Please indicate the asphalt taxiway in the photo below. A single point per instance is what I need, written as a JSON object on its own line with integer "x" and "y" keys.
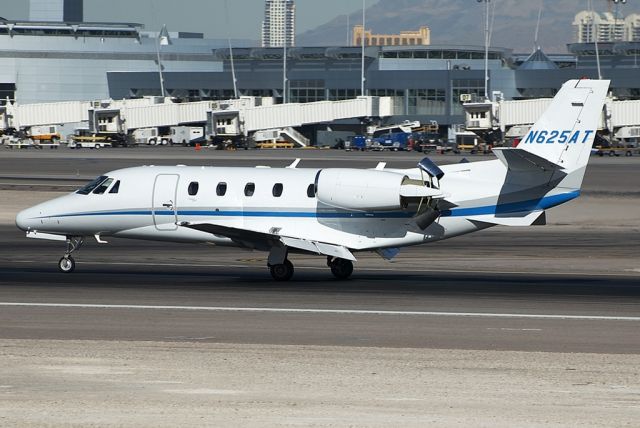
{"x": 527, "y": 327}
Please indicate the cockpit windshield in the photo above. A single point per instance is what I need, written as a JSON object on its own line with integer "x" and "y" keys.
{"x": 91, "y": 186}
{"x": 103, "y": 186}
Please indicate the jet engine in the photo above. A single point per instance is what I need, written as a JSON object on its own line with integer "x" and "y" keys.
{"x": 369, "y": 190}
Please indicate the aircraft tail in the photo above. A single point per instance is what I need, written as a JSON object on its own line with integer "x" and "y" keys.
{"x": 563, "y": 136}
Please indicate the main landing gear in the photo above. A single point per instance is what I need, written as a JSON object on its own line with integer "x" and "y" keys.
{"x": 340, "y": 268}
{"x": 282, "y": 271}
{"x": 67, "y": 264}
{"x": 281, "y": 268}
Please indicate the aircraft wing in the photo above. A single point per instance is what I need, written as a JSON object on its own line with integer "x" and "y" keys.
{"x": 267, "y": 240}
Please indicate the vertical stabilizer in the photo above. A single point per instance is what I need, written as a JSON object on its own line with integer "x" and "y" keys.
{"x": 564, "y": 134}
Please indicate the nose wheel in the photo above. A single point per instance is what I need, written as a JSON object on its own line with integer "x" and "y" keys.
{"x": 67, "y": 264}
{"x": 340, "y": 268}
{"x": 282, "y": 271}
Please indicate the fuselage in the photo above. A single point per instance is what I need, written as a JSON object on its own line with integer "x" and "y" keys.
{"x": 151, "y": 202}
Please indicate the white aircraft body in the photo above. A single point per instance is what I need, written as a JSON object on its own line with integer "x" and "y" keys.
{"x": 334, "y": 212}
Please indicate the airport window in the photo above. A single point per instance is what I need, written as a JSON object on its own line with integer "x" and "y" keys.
{"x": 307, "y": 91}
{"x": 91, "y": 186}
{"x": 115, "y": 188}
{"x": 221, "y": 189}
{"x": 193, "y": 188}
{"x": 249, "y": 189}
{"x": 277, "y": 190}
{"x": 427, "y": 101}
{"x": 311, "y": 191}
{"x": 102, "y": 187}
{"x": 464, "y": 86}
{"x": 342, "y": 94}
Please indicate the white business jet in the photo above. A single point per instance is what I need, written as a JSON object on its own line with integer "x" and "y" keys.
{"x": 334, "y": 212}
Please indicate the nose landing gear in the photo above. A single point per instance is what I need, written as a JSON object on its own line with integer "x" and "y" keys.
{"x": 67, "y": 264}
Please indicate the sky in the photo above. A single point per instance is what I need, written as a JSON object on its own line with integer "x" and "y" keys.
{"x": 202, "y": 16}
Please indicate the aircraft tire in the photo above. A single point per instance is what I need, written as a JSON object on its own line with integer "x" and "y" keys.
{"x": 282, "y": 272}
{"x": 341, "y": 268}
{"x": 66, "y": 264}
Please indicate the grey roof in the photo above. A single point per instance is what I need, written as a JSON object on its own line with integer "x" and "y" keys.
{"x": 538, "y": 61}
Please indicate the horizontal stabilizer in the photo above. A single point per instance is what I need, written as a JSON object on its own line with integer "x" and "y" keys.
{"x": 520, "y": 160}
{"x": 514, "y": 219}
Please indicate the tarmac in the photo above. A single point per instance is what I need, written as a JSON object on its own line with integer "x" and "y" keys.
{"x": 506, "y": 327}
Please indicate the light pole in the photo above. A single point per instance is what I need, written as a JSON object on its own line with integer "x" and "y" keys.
{"x": 162, "y": 40}
{"x": 284, "y": 54}
{"x": 486, "y": 47}
{"x": 362, "y": 42}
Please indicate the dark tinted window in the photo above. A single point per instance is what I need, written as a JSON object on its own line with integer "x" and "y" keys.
{"x": 221, "y": 189}
{"x": 277, "y": 190}
{"x": 193, "y": 188}
{"x": 249, "y": 189}
{"x": 103, "y": 186}
{"x": 89, "y": 187}
{"x": 115, "y": 188}
{"x": 311, "y": 191}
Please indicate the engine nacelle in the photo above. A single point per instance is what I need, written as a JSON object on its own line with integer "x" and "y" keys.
{"x": 359, "y": 190}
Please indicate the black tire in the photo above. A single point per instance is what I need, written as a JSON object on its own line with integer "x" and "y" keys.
{"x": 184, "y": 143}
{"x": 152, "y": 142}
{"x": 282, "y": 272}
{"x": 612, "y": 153}
{"x": 341, "y": 268}
{"x": 66, "y": 264}
{"x": 628, "y": 153}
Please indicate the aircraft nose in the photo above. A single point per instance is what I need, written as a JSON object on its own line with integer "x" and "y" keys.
{"x": 24, "y": 219}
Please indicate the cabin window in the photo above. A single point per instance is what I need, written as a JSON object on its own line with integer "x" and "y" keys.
{"x": 277, "y": 190}
{"x": 103, "y": 186}
{"x": 311, "y": 191}
{"x": 193, "y": 188}
{"x": 249, "y": 189}
{"x": 221, "y": 189}
{"x": 91, "y": 186}
{"x": 115, "y": 188}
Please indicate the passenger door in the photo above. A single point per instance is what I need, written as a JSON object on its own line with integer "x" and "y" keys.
{"x": 165, "y": 212}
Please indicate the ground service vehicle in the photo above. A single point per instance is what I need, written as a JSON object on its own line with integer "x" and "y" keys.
{"x": 187, "y": 135}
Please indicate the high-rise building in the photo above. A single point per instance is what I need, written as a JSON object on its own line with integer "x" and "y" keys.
{"x": 279, "y": 25}
{"x": 421, "y": 37}
{"x": 56, "y": 10}
{"x": 590, "y": 27}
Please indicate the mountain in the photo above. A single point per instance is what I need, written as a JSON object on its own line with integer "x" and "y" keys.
{"x": 461, "y": 22}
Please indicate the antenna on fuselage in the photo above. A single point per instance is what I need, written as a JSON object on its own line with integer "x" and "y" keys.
{"x": 294, "y": 164}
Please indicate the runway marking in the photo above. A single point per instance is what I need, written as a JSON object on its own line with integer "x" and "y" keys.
{"x": 398, "y": 269}
{"x": 319, "y": 311}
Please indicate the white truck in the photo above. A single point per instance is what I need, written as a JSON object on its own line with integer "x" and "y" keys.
{"x": 151, "y": 136}
{"x": 187, "y": 135}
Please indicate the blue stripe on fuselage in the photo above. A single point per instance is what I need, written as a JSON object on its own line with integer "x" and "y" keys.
{"x": 511, "y": 207}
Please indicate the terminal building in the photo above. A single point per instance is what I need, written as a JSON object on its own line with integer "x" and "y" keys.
{"x": 67, "y": 59}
